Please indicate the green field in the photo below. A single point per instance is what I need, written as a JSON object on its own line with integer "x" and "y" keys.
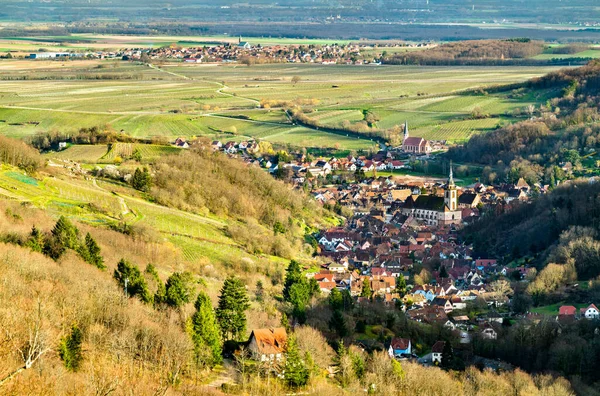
{"x": 221, "y": 101}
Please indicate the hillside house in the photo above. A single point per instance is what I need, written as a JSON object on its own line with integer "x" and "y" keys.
{"x": 399, "y": 347}
{"x": 267, "y": 344}
{"x": 436, "y": 352}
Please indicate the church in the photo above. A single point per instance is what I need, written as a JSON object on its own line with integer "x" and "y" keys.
{"x": 434, "y": 210}
{"x": 415, "y": 145}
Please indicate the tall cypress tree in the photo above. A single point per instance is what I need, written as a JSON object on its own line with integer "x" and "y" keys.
{"x": 233, "y": 302}
{"x": 205, "y": 332}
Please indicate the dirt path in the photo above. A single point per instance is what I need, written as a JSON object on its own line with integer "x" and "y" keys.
{"x": 225, "y": 375}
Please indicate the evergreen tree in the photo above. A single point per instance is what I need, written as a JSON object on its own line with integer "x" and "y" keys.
{"x": 70, "y": 349}
{"x": 336, "y": 300}
{"x": 366, "y": 289}
{"x": 36, "y": 240}
{"x": 313, "y": 287}
{"x": 66, "y": 233}
{"x": 178, "y": 289}
{"x": 299, "y": 297}
{"x": 347, "y": 300}
{"x": 338, "y": 324}
{"x": 161, "y": 291}
{"x": 233, "y": 302}
{"x": 92, "y": 252}
{"x": 447, "y": 355}
{"x": 141, "y": 180}
{"x": 130, "y": 278}
{"x": 295, "y": 371}
{"x": 293, "y": 275}
{"x": 206, "y": 333}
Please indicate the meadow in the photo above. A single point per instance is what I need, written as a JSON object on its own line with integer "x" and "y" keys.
{"x": 223, "y": 101}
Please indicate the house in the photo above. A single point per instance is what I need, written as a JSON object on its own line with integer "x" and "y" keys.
{"x": 488, "y": 332}
{"x": 244, "y": 45}
{"x": 399, "y": 347}
{"x": 62, "y": 145}
{"x": 181, "y": 142}
{"x": 567, "y": 310}
{"x": 444, "y": 303}
{"x": 267, "y": 344}
{"x": 436, "y": 352}
{"x": 591, "y": 312}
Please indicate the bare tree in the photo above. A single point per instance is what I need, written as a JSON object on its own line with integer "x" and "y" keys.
{"x": 296, "y": 79}
{"x": 33, "y": 348}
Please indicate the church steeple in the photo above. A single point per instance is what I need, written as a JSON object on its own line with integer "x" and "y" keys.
{"x": 405, "y": 130}
{"x": 450, "y": 196}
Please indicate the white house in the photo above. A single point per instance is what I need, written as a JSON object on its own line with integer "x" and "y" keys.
{"x": 591, "y": 312}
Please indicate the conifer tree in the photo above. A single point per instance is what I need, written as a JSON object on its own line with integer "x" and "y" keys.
{"x": 401, "y": 285}
{"x": 36, "y": 240}
{"x": 205, "y": 332}
{"x": 70, "y": 349}
{"x": 178, "y": 289}
{"x": 130, "y": 278}
{"x": 293, "y": 275}
{"x": 295, "y": 372}
{"x": 233, "y": 302}
{"x": 66, "y": 233}
{"x": 338, "y": 324}
{"x": 93, "y": 252}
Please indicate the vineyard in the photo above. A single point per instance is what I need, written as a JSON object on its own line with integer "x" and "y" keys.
{"x": 223, "y": 100}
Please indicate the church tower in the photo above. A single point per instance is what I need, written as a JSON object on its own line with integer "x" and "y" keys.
{"x": 450, "y": 195}
{"x": 405, "y": 131}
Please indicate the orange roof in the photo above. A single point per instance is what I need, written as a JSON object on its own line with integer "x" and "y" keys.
{"x": 269, "y": 340}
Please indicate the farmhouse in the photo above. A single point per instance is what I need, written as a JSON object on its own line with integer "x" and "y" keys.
{"x": 436, "y": 352}
{"x": 267, "y": 344}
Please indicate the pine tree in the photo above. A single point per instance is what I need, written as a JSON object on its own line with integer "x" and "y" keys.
{"x": 295, "y": 371}
{"x": 36, "y": 240}
{"x": 92, "y": 252}
{"x": 338, "y": 324}
{"x": 336, "y": 300}
{"x": 447, "y": 355}
{"x": 260, "y": 291}
{"x": 130, "y": 278}
{"x": 233, "y": 302}
{"x": 161, "y": 291}
{"x": 293, "y": 275}
{"x": 66, "y": 233}
{"x": 141, "y": 180}
{"x": 178, "y": 289}
{"x": 366, "y": 289}
{"x": 299, "y": 297}
{"x": 70, "y": 349}
{"x": 206, "y": 333}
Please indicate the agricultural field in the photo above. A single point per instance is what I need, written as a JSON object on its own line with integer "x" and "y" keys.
{"x": 223, "y": 101}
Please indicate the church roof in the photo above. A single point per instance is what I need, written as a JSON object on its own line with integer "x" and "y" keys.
{"x": 414, "y": 141}
{"x": 425, "y": 202}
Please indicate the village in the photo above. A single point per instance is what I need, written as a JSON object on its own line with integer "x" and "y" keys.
{"x": 243, "y": 52}
{"x": 400, "y": 246}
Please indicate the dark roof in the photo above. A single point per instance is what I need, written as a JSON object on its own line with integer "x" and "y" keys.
{"x": 467, "y": 198}
{"x": 438, "y": 347}
{"x": 425, "y": 202}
